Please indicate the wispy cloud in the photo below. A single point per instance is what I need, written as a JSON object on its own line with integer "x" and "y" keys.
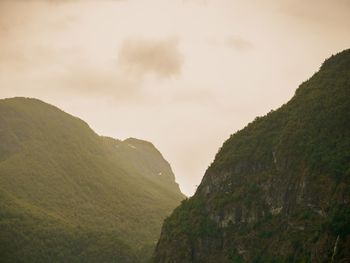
{"x": 239, "y": 43}
{"x": 322, "y": 13}
{"x": 90, "y": 80}
{"x": 161, "y": 58}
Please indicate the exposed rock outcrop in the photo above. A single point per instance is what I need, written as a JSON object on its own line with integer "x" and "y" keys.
{"x": 278, "y": 190}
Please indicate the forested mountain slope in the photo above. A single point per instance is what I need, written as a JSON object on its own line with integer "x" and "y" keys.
{"x": 69, "y": 195}
{"x": 279, "y": 189}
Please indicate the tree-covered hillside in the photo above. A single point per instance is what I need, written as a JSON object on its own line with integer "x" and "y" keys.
{"x": 279, "y": 189}
{"x": 69, "y": 195}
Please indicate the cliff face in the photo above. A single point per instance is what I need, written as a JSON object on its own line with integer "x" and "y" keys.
{"x": 278, "y": 190}
{"x": 69, "y": 195}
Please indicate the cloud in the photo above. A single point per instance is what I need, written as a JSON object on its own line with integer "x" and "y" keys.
{"x": 23, "y": 28}
{"x": 238, "y": 43}
{"x": 329, "y": 13}
{"x": 91, "y": 80}
{"x": 136, "y": 59}
{"x": 161, "y": 58}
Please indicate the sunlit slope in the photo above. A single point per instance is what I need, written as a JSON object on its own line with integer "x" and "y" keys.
{"x": 67, "y": 191}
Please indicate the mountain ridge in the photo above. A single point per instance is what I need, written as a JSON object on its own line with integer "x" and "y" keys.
{"x": 69, "y": 194}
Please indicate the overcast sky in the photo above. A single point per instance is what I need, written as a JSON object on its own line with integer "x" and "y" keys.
{"x": 183, "y": 74}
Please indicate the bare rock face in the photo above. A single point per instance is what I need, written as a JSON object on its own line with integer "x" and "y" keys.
{"x": 278, "y": 190}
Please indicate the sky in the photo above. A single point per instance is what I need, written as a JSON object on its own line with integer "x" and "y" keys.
{"x": 183, "y": 74}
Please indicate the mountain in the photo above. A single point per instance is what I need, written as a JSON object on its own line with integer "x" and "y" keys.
{"x": 69, "y": 195}
{"x": 279, "y": 189}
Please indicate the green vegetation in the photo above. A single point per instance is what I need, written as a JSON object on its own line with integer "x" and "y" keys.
{"x": 279, "y": 189}
{"x": 69, "y": 195}
{"x": 180, "y": 222}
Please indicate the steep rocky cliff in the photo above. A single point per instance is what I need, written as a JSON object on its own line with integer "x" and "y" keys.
{"x": 278, "y": 190}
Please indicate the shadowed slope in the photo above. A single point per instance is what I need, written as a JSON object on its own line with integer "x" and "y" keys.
{"x": 278, "y": 190}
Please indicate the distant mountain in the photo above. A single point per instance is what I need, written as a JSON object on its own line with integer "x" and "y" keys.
{"x": 278, "y": 190}
{"x": 69, "y": 195}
